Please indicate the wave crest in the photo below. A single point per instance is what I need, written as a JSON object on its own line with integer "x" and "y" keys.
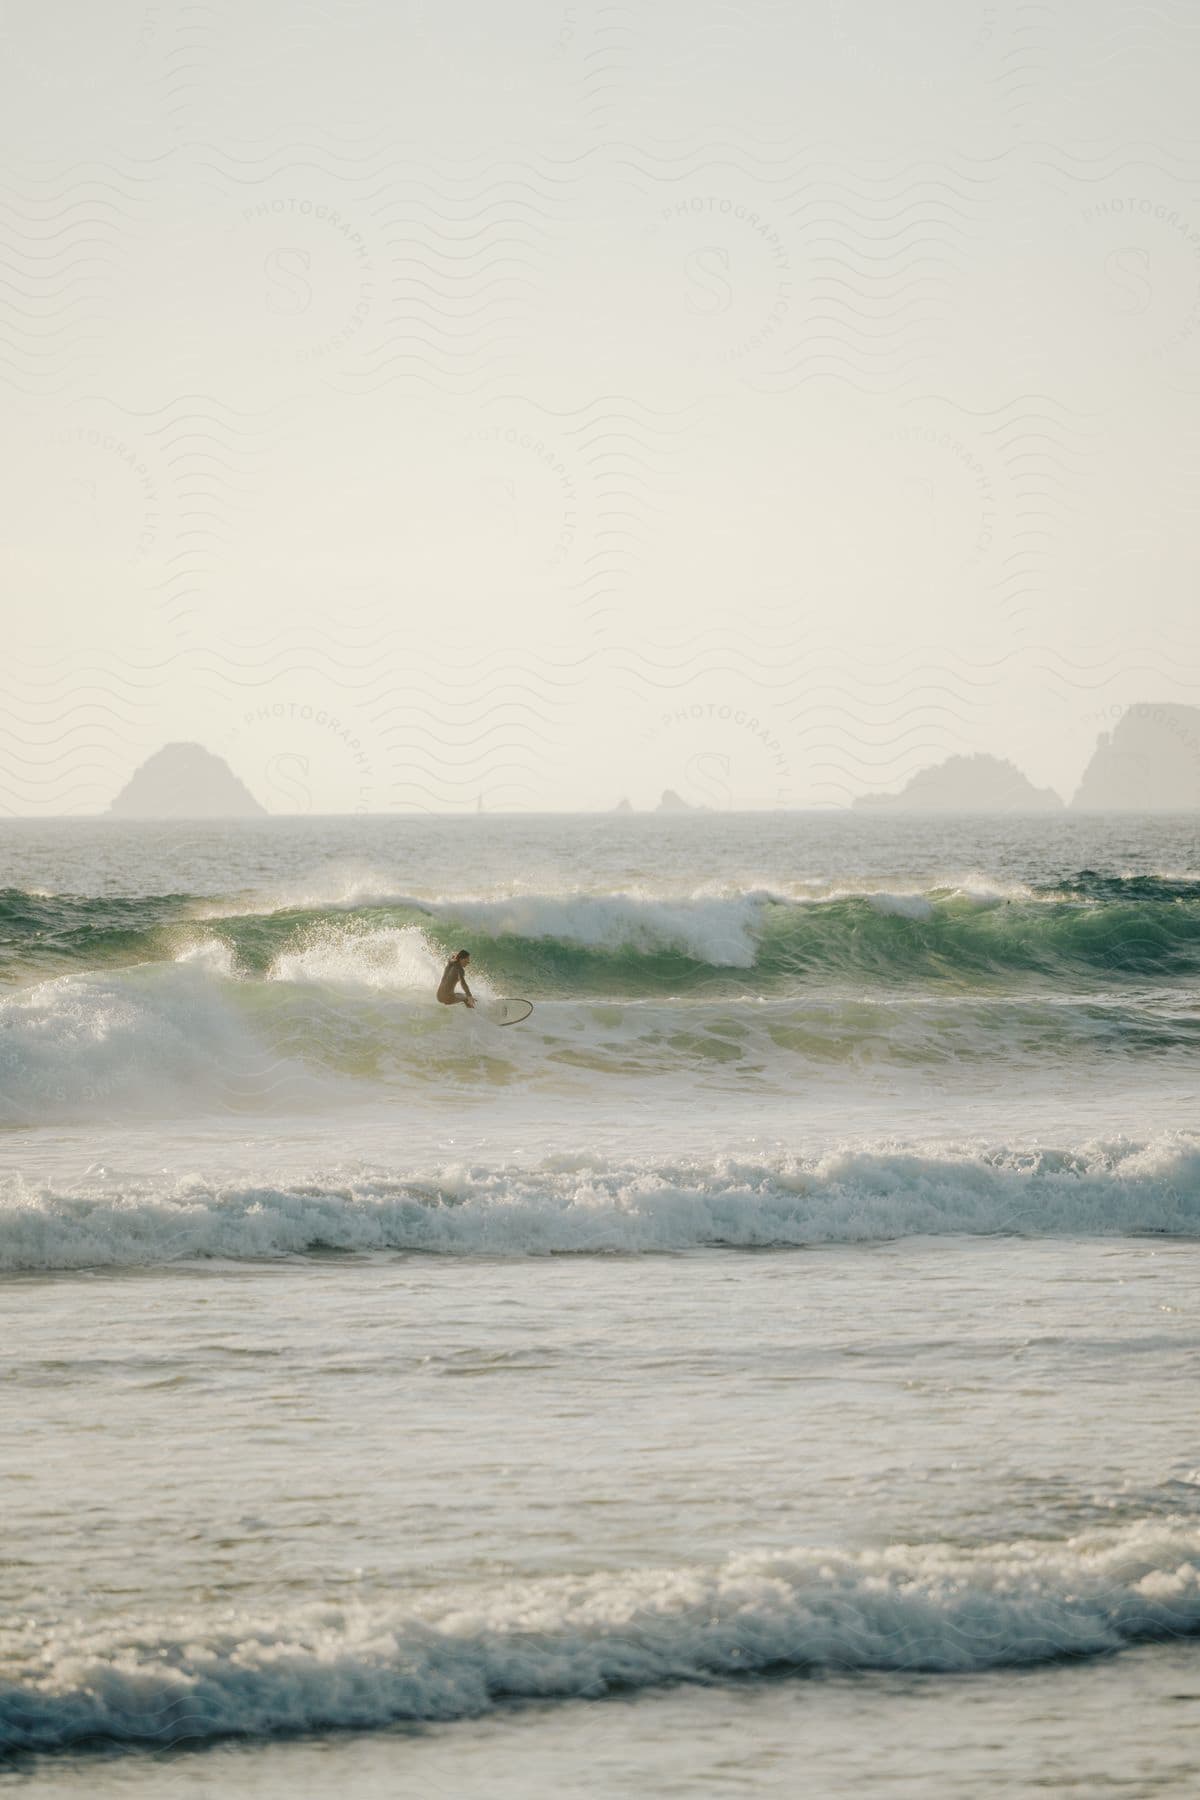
{"x": 595, "y": 1206}
{"x": 641, "y": 945}
{"x": 931, "y": 1607}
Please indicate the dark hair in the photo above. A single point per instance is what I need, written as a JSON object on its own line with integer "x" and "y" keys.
{"x": 459, "y": 954}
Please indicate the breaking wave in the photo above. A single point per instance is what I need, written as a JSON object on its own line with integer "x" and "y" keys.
{"x": 933, "y": 1607}
{"x": 143, "y": 1008}
{"x": 640, "y": 946}
{"x": 597, "y": 1205}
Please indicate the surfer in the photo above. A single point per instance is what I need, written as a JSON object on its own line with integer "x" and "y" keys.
{"x": 454, "y": 974}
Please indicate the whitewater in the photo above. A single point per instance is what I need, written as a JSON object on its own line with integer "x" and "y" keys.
{"x": 790, "y": 1323}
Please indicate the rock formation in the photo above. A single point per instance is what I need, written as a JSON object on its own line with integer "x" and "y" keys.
{"x": 185, "y": 781}
{"x": 966, "y": 784}
{"x": 1149, "y": 762}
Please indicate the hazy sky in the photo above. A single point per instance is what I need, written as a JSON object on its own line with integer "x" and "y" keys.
{"x": 415, "y": 402}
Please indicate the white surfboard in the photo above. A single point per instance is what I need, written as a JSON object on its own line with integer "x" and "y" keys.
{"x": 505, "y": 1012}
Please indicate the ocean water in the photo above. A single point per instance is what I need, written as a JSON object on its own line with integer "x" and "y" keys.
{"x": 770, "y": 1368}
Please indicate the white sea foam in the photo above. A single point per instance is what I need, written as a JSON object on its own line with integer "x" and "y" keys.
{"x": 708, "y": 928}
{"x": 210, "y": 955}
{"x": 933, "y": 1607}
{"x": 155, "y": 1040}
{"x": 718, "y": 928}
{"x": 600, "y": 1205}
{"x": 901, "y": 906}
{"x": 397, "y": 957}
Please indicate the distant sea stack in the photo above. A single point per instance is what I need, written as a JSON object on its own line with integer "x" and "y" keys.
{"x": 673, "y": 802}
{"x": 1149, "y": 762}
{"x": 966, "y": 784}
{"x": 624, "y": 804}
{"x": 185, "y": 781}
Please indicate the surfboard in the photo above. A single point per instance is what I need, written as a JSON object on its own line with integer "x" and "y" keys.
{"x": 505, "y": 1012}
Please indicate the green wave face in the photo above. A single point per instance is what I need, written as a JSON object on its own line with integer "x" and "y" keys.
{"x": 1087, "y": 934}
{"x": 158, "y": 1006}
{"x": 56, "y": 933}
